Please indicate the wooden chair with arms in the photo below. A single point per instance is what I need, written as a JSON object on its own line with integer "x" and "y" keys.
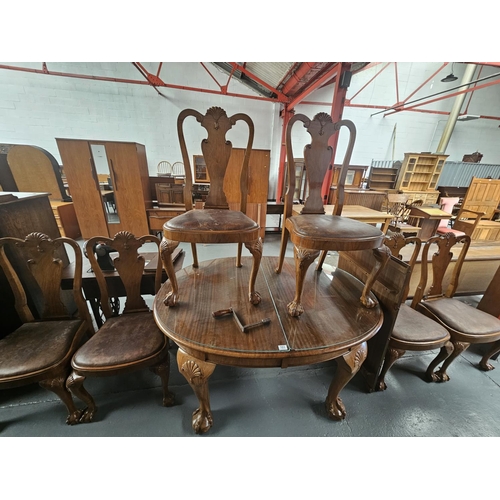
{"x": 215, "y": 223}
{"x": 466, "y": 324}
{"x": 463, "y": 224}
{"x": 129, "y": 341}
{"x": 398, "y": 206}
{"x": 413, "y": 331}
{"x": 40, "y": 351}
{"x": 313, "y": 231}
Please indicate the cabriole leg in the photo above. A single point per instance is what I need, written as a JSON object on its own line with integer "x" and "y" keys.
{"x": 75, "y": 384}
{"x": 347, "y": 366}
{"x": 255, "y": 248}
{"x": 166, "y": 249}
{"x": 197, "y": 373}
{"x": 391, "y": 356}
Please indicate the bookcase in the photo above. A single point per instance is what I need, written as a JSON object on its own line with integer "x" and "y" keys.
{"x": 382, "y": 179}
{"x": 420, "y": 174}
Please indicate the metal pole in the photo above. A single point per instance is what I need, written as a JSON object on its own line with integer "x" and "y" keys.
{"x": 455, "y": 111}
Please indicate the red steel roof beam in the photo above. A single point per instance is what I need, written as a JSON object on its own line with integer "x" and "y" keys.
{"x": 281, "y": 97}
{"x": 368, "y": 83}
{"x": 297, "y": 76}
{"x": 317, "y": 83}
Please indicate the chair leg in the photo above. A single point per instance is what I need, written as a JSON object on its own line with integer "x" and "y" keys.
{"x": 284, "y": 241}
{"x": 321, "y": 260}
{"x": 56, "y": 385}
{"x": 494, "y": 349}
{"x": 195, "y": 255}
{"x": 443, "y": 354}
{"x": 303, "y": 259}
{"x": 391, "y": 356}
{"x": 166, "y": 249}
{"x": 255, "y": 248}
{"x": 458, "y": 348}
{"x": 75, "y": 384}
{"x": 163, "y": 371}
{"x": 238, "y": 256}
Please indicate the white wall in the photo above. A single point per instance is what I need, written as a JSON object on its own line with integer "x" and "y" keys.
{"x": 35, "y": 109}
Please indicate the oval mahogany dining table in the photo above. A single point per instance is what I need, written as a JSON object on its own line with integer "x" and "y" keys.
{"x": 335, "y": 325}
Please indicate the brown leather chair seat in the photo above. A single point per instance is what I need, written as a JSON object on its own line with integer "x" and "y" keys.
{"x": 133, "y": 340}
{"x": 35, "y": 347}
{"x": 462, "y": 317}
{"x": 413, "y": 327}
{"x": 214, "y": 224}
{"x": 341, "y": 232}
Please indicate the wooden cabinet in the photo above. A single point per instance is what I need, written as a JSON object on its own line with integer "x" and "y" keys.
{"x": 353, "y": 178}
{"x": 200, "y": 169}
{"x": 125, "y": 164}
{"x": 383, "y": 179}
{"x": 420, "y": 173}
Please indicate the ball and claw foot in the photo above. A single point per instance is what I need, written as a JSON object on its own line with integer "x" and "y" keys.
{"x": 368, "y": 302}
{"x": 254, "y": 298}
{"x": 438, "y": 376}
{"x": 485, "y": 366}
{"x": 169, "y": 399}
{"x": 171, "y": 299}
{"x": 202, "y": 421}
{"x": 336, "y": 410}
{"x": 295, "y": 309}
{"x": 381, "y": 385}
{"x": 81, "y": 417}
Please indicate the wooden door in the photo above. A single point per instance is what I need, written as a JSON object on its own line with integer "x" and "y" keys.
{"x": 483, "y": 195}
{"x": 128, "y": 185}
{"x": 84, "y": 189}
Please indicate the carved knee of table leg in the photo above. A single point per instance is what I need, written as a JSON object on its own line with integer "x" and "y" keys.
{"x": 304, "y": 257}
{"x": 197, "y": 373}
{"x": 255, "y": 248}
{"x": 347, "y": 366}
{"x": 382, "y": 255}
{"x": 166, "y": 249}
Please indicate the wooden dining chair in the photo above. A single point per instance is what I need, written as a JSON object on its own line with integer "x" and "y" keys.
{"x": 313, "y": 231}
{"x": 465, "y": 324}
{"x": 215, "y": 222}
{"x": 164, "y": 168}
{"x": 399, "y": 207}
{"x": 40, "y": 350}
{"x": 412, "y": 330}
{"x": 127, "y": 341}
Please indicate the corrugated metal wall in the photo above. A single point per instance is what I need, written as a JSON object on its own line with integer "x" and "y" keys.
{"x": 455, "y": 173}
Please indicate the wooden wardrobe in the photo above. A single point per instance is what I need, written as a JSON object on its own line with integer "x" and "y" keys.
{"x": 127, "y": 169}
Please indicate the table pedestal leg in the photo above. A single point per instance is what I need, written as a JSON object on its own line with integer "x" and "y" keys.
{"x": 197, "y": 373}
{"x": 347, "y": 366}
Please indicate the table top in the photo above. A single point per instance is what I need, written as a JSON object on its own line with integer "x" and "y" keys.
{"x": 358, "y": 212}
{"x": 430, "y": 213}
{"x": 333, "y": 322}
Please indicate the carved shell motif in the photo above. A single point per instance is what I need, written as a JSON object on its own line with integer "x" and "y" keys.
{"x": 191, "y": 370}
{"x": 125, "y": 236}
{"x": 323, "y": 119}
{"x": 216, "y": 113}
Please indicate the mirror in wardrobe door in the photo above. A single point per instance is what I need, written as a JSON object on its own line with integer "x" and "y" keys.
{"x": 105, "y": 178}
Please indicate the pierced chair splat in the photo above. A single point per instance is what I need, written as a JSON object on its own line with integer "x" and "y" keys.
{"x": 215, "y": 222}
{"x": 313, "y": 231}
{"x": 40, "y": 350}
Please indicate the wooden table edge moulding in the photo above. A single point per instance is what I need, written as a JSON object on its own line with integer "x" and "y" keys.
{"x": 336, "y": 325}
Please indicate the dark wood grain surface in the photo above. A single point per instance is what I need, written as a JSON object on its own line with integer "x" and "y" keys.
{"x": 336, "y": 322}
